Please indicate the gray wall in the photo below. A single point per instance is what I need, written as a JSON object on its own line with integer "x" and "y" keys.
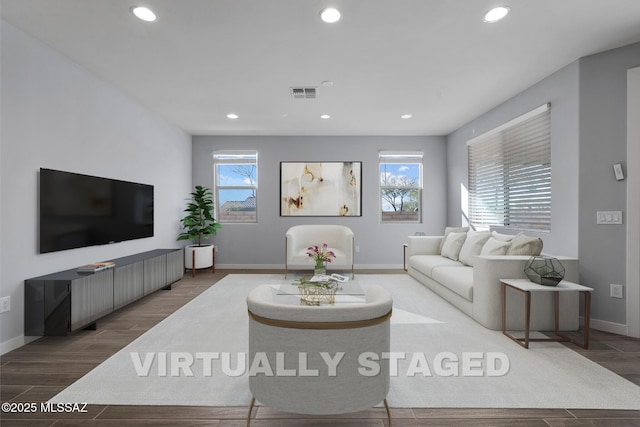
{"x": 262, "y": 244}
{"x": 57, "y": 115}
{"x": 588, "y": 113}
{"x": 603, "y": 142}
{"x": 561, "y": 90}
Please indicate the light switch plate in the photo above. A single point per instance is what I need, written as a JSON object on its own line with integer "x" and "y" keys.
{"x": 616, "y": 291}
{"x": 609, "y": 217}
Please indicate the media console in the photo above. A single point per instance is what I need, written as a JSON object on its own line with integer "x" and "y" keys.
{"x": 66, "y": 301}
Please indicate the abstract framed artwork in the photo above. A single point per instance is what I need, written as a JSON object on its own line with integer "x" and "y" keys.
{"x": 320, "y": 188}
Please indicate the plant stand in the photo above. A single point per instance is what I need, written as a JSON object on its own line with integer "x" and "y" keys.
{"x": 193, "y": 262}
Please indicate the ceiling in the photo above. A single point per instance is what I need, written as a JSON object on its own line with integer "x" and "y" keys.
{"x": 434, "y": 59}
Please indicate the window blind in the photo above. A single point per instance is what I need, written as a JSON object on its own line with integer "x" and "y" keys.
{"x": 510, "y": 174}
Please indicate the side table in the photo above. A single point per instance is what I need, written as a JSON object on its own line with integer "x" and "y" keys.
{"x": 527, "y": 287}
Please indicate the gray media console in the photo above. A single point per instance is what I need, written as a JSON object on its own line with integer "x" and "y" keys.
{"x": 63, "y": 302}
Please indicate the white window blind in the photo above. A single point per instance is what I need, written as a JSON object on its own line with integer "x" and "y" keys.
{"x": 510, "y": 174}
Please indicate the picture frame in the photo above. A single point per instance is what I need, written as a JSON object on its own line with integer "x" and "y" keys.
{"x": 331, "y": 189}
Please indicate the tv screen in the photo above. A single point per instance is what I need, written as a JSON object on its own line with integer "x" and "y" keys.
{"x": 81, "y": 210}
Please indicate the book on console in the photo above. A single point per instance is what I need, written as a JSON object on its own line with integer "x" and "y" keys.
{"x": 96, "y": 266}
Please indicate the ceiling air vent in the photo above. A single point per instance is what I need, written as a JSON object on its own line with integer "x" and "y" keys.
{"x": 304, "y": 92}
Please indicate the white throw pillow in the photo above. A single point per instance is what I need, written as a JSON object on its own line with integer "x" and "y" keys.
{"x": 448, "y": 230}
{"x": 524, "y": 245}
{"x": 452, "y": 245}
{"x": 472, "y": 246}
{"x": 495, "y": 247}
{"x": 503, "y": 237}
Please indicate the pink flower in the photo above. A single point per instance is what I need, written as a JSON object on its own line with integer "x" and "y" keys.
{"x": 321, "y": 253}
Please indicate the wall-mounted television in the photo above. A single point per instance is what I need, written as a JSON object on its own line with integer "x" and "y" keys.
{"x": 81, "y": 210}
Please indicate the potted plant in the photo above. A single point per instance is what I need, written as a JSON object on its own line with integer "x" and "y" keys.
{"x": 198, "y": 225}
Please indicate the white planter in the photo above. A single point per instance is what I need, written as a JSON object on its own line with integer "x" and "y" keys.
{"x": 203, "y": 256}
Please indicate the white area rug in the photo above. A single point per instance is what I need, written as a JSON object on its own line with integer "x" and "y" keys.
{"x": 548, "y": 375}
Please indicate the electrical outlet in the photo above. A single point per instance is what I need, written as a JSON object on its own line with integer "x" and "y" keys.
{"x": 5, "y": 304}
{"x": 616, "y": 291}
{"x": 357, "y": 248}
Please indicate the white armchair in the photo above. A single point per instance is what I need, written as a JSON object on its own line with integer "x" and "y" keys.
{"x": 339, "y": 238}
{"x": 283, "y": 334}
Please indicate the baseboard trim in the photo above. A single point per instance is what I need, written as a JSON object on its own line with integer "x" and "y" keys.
{"x": 13, "y": 343}
{"x": 606, "y": 326}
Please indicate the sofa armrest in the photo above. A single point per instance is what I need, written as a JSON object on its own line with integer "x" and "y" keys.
{"x": 424, "y": 245}
{"x": 487, "y": 272}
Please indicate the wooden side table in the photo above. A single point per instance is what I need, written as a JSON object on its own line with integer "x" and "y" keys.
{"x": 527, "y": 287}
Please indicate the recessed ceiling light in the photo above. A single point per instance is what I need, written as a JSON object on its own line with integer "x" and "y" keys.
{"x": 496, "y": 14}
{"x": 325, "y": 116}
{"x": 232, "y": 116}
{"x": 144, "y": 13}
{"x": 330, "y": 15}
{"x": 406, "y": 116}
{"x": 327, "y": 83}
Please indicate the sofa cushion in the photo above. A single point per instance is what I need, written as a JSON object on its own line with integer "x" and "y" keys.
{"x": 448, "y": 230}
{"x": 472, "y": 246}
{"x": 426, "y": 263}
{"x": 456, "y": 279}
{"x": 524, "y": 245}
{"x": 452, "y": 245}
{"x": 495, "y": 247}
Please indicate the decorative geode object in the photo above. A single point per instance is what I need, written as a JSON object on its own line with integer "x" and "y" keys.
{"x": 544, "y": 270}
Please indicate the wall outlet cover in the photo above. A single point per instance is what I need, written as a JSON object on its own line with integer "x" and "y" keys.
{"x": 616, "y": 290}
{"x": 5, "y": 304}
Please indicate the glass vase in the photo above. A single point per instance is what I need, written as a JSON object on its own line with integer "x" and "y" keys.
{"x": 320, "y": 268}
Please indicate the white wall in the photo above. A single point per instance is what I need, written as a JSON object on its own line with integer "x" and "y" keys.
{"x": 262, "y": 244}
{"x": 57, "y": 115}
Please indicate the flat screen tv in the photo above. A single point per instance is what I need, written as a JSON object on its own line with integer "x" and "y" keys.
{"x": 81, "y": 210}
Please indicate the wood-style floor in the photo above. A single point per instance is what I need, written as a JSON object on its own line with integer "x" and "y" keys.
{"x": 41, "y": 369}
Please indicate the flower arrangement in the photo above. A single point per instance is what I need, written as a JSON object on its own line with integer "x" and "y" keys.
{"x": 320, "y": 254}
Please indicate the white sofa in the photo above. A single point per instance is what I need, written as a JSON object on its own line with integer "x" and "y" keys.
{"x": 339, "y": 238}
{"x": 475, "y": 289}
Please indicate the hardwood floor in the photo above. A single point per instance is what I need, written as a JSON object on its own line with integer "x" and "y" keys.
{"x": 41, "y": 369}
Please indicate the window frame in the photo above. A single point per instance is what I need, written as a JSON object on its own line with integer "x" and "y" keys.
{"x": 234, "y": 157}
{"x": 400, "y": 157}
{"x": 511, "y": 164}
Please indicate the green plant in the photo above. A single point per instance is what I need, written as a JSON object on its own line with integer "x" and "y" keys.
{"x": 199, "y": 222}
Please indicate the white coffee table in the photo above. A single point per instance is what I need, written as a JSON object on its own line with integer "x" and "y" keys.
{"x": 527, "y": 287}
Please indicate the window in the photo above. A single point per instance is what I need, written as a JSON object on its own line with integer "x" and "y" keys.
{"x": 510, "y": 174}
{"x": 400, "y": 186}
{"x": 236, "y": 185}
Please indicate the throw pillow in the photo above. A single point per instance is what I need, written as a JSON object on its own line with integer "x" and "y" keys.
{"x": 504, "y": 237}
{"x": 448, "y": 230}
{"x": 524, "y": 245}
{"x": 452, "y": 245}
{"x": 495, "y": 247}
{"x": 473, "y": 245}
